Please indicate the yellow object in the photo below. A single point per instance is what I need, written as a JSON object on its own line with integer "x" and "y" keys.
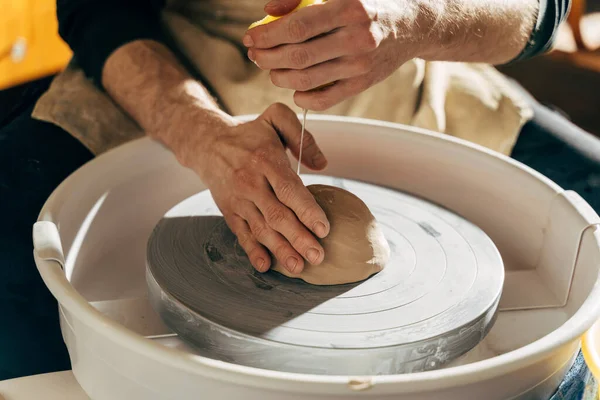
{"x": 270, "y": 18}
{"x": 590, "y": 346}
{"x": 30, "y": 46}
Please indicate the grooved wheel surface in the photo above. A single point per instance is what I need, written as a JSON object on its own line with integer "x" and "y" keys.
{"x": 444, "y": 277}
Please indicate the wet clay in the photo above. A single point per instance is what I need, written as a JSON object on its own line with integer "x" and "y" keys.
{"x": 355, "y": 248}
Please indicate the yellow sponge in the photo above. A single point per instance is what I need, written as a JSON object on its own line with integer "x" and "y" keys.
{"x": 270, "y": 18}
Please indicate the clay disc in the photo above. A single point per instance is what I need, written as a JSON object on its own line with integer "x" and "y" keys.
{"x": 434, "y": 301}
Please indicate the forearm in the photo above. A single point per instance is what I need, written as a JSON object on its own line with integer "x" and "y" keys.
{"x": 148, "y": 82}
{"x": 487, "y": 31}
{"x": 120, "y": 45}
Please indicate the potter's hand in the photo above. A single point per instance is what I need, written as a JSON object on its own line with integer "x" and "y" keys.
{"x": 262, "y": 199}
{"x": 358, "y": 43}
{"x": 244, "y": 165}
{"x": 354, "y": 43}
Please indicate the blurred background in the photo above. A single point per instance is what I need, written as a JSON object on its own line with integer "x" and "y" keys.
{"x": 31, "y": 49}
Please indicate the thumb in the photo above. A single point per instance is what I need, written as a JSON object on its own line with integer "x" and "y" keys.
{"x": 289, "y": 128}
{"x": 279, "y": 8}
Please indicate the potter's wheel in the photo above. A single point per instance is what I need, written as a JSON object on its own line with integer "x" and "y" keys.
{"x": 434, "y": 301}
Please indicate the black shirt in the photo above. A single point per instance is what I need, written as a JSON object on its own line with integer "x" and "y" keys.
{"x": 95, "y": 28}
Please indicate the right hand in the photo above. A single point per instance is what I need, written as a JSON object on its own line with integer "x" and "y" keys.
{"x": 263, "y": 200}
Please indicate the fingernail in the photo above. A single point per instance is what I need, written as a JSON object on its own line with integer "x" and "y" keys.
{"x": 319, "y": 160}
{"x": 273, "y": 4}
{"x": 291, "y": 264}
{"x": 260, "y": 264}
{"x": 320, "y": 229}
{"x": 313, "y": 255}
{"x": 247, "y": 40}
{"x": 251, "y": 55}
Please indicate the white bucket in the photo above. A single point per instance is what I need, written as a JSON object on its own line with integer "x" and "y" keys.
{"x": 97, "y": 222}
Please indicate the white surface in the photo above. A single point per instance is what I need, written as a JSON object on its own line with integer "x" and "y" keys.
{"x": 106, "y": 210}
{"x": 434, "y": 301}
{"x": 54, "y": 386}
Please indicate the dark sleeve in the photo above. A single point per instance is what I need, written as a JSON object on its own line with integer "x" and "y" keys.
{"x": 93, "y": 29}
{"x": 551, "y": 14}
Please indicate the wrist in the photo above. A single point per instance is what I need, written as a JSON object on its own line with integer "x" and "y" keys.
{"x": 190, "y": 130}
{"x": 145, "y": 78}
{"x": 431, "y": 35}
{"x": 485, "y": 31}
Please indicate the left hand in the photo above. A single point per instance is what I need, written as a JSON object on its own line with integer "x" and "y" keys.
{"x": 353, "y": 44}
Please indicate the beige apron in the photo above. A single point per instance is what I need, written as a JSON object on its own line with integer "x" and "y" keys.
{"x": 471, "y": 101}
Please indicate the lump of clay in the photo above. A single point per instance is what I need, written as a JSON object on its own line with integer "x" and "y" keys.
{"x": 355, "y": 248}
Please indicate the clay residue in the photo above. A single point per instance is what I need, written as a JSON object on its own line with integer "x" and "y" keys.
{"x": 430, "y": 230}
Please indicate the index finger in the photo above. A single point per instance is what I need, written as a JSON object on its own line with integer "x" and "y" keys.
{"x": 296, "y": 27}
{"x": 290, "y": 190}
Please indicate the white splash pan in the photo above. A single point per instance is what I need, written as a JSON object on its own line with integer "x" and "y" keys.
{"x": 96, "y": 224}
